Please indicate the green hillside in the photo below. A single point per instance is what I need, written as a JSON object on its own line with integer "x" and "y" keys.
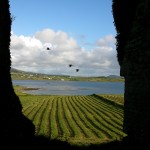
{"x": 22, "y": 75}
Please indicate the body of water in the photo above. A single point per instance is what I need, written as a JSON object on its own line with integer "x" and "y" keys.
{"x": 71, "y": 87}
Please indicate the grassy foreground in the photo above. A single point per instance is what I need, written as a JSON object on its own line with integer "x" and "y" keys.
{"x": 79, "y": 120}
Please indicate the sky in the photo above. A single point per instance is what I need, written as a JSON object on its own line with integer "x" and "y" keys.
{"x": 78, "y": 32}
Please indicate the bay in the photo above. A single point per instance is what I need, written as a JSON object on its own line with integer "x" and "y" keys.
{"x": 46, "y": 87}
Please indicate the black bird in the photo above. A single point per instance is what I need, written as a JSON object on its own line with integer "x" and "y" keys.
{"x": 77, "y": 70}
{"x": 70, "y": 65}
{"x": 48, "y": 48}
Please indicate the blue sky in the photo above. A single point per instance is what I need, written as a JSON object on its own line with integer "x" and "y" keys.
{"x": 70, "y": 27}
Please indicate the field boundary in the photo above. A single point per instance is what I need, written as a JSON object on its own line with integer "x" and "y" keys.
{"x": 109, "y": 101}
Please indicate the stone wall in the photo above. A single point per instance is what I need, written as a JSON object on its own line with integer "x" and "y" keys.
{"x": 14, "y": 125}
{"x": 135, "y": 67}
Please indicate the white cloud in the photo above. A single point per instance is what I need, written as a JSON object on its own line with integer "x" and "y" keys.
{"x": 31, "y": 54}
{"x": 106, "y": 41}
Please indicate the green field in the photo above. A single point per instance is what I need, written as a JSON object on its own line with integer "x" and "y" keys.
{"x": 79, "y": 120}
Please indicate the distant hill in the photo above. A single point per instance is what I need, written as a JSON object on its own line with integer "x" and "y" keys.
{"x": 24, "y": 75}
{"x": 15, "y": 70}
{"x": 114, "y": 76}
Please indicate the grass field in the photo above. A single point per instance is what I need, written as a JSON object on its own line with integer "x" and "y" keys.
{"x": 79, "y": 120}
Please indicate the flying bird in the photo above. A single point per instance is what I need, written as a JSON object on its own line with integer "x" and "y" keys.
{"x": 77, "y": 70}
{"x": 48, "y": 48}
{"x": 70, "y": 65}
